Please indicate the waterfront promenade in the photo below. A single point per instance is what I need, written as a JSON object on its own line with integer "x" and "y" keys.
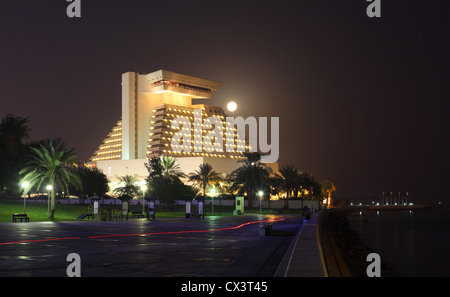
{"x": 214, "y": 247}
{"x": 303, "y": 257}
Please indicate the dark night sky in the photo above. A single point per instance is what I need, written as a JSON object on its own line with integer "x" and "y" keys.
{"x": 362, "y": 102}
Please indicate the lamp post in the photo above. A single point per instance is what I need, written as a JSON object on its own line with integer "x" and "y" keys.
{"x": 25, "y": 186}
{"x": 144, "y": 189}
{"x": 49, "y": 188}
{"x": 212, "y": 193}
{"x": 260, "y": 193}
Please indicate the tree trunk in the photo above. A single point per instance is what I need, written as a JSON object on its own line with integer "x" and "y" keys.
{"x": 52, "y": 205}
{"x": 250, "y": 196}
{"x": 286, "y": 203}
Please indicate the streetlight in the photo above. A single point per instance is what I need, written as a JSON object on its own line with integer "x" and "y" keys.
{"x": 260, "y": 193}
{"x": 49, "y": 188}
{"x": 25, "y": 186}
{"x": 144, "y": 189}
{"x": 212, "y": 192}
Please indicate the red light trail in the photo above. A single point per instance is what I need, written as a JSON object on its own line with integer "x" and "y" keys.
{"x": 145, "y": 234}
{"x": 187, "y": 231}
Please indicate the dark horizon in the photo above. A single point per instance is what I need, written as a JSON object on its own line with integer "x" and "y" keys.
{"x": 361, "y": 101}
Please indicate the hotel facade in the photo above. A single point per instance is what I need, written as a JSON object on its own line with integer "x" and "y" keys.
{"x": 154, "y": 107}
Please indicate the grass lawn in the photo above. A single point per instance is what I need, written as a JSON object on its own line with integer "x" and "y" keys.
{"x": 37, "y": 212}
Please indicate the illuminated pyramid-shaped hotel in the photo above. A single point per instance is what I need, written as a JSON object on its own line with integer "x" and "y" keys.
{"x": 151, "y": 105}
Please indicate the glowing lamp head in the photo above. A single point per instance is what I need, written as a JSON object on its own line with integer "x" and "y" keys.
{"x": 232, "y": 106}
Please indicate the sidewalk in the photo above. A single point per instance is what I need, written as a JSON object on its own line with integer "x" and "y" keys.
{"x": 303, "y": 259}
{"x": 167, "y": 247}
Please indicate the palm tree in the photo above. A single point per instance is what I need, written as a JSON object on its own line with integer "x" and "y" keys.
{"x": 164, "y": 180}
{"x": 289, "y": 180}
{"x": 327, "y": 187}
{"x": 50, "y": 163}
{"x": 164, "y": 166}
{"x": 251, "y": 177}
{"x": 224, "y": 185}
{"x": 13, "y": 130}
{"x": 129, "y": 186}
{"x": 204, "y": 176}
{"x": 170, "y": 167}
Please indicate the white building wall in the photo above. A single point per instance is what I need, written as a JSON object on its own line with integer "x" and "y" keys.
{"x": 139, "y": 99}
{"x": 128, "y": 116}
{"x": 114, "y": 169}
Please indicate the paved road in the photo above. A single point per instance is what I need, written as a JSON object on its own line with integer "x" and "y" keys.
{"x": 145, "y": 248}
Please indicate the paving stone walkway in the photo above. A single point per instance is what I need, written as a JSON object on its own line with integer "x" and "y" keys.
{"x": 165, "y": 247}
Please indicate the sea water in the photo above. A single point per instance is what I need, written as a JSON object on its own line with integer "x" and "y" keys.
{"x": 413, "y": 243}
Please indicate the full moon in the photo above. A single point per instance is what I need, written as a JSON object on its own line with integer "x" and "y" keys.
{"x": 231, "y": 106}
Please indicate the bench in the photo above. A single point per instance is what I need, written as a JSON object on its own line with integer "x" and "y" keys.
{"x": 20, "y": 217}
{"x": 86, "y": 215}
{"x": 137, "y": 214}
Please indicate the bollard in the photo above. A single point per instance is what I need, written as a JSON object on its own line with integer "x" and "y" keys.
{"x": 188, "y": 210}
{"x": 125, "y": 209}
{"x": 200, "y": 209}
{"x": 96, "y": 208}
{"x": 151, "y": 209}
{"x": 265, "y": 230}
